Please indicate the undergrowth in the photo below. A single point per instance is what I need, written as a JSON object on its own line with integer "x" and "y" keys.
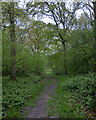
{"x": 75, "y": 92}
{"x": 17, "y": 94}
{"x": 65, "y": 105}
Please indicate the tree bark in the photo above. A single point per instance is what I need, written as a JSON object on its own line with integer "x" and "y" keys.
{"x": 13, "y": 42}
{"x": 65, "y": 62}
{"x": 94, "y": 4}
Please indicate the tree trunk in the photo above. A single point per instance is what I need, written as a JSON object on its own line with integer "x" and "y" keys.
{"x": 94, "y": 4}
{"x": 64, "y": 47}
{"x": 65, "y": 62}
{"x": 13, "y": 42}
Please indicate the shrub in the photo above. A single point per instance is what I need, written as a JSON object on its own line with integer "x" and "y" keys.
{"x": 84, "y": 88}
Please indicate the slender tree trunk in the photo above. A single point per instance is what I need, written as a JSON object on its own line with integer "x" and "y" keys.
{"x": 64, "y": 48}
{"x": 65, "y": 62}
{"x": 94, "y": 4}
{"x": 13, "y": 42}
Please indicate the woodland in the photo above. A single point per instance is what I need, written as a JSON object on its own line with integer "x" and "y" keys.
{"x": 43, "y": 42}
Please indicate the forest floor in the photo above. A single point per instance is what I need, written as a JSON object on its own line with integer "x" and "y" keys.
{"x": 41, "y": 109}
{"x": 53, "y": 103}
{"x": 43, "y": 98}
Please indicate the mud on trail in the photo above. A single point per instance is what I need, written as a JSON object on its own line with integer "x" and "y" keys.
{"x": 41, "y": 109}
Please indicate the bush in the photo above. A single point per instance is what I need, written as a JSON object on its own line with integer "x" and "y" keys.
{"x": 57, "y": 62}
{"x": 26, "y": 62}
{"x": 84, "y": 88}
{"x": 31, "y": 64}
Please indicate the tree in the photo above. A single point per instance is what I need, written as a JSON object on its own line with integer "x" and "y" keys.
{"x": 12, "y": 16}
{"x": 13, "y": 41}
{"x": 35, "y": 36}
{"x": 62, "y": 16}
{"x": 92, "y": 9}
{"x": 94, "y": 4}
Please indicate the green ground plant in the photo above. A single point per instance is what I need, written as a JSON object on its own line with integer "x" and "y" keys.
{"x": 19, "y": 94}
{"x": 84, "y": 88}
{"x": 65, "y": 105}
{"x": 72, "y": 94}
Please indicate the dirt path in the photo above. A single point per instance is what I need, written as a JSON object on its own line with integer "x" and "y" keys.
{"x": 41, "y": 110}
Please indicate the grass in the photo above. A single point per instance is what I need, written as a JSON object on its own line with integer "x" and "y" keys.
{"x": 65, "y": 104}
{"x": 20, "y": 94}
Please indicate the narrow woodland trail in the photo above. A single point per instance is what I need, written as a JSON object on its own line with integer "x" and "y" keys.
{"x": 41, "y": 110}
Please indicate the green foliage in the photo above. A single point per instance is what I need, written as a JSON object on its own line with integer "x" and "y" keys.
{"x": 34, "y": 39}
{"x": 80, "y": 54}
{"x": 83, "y": 88}
{"x": 77, "y": 62}
{"x": 5, "y": 53}
{"x": 57, "y": 62}
{"x": 26, "y": 62}
{"x": 16, "y": 94}
{"x": 63, "y": 104}
{"x": 31, "y": 64}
